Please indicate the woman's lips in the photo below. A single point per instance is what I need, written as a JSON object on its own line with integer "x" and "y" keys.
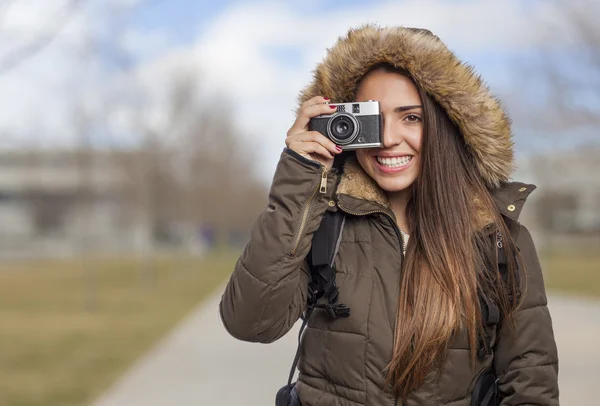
{"x": 392, "y": 170}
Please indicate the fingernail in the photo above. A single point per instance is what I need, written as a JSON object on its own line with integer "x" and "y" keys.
{"x": 333, "y": 107}
{"x": 326, "y": 98}
{"x": 338, "y": 148}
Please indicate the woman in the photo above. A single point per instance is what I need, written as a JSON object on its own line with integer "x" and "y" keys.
{"x": 424, "y": 214}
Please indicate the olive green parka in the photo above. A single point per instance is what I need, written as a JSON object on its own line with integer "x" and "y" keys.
{"x": 342, "y": 361}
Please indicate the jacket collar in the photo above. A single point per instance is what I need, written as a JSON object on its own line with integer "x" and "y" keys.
{"x": 358, "y": 193}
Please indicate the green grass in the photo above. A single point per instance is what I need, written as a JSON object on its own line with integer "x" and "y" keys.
{"x": 572, "y": 272}
{"x": 69, "y": 329}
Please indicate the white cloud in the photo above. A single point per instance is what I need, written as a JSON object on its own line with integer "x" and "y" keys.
{"x": 233, "y": 49}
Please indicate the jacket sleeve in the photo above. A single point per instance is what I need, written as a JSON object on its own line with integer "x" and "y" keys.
{"x": 526, "y": 360}
{"x": 266, "y": 293}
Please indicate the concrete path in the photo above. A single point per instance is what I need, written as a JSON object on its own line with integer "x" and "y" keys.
{"x": 200, "y": 364}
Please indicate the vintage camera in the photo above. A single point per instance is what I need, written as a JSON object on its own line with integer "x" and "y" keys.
{"x": 352, "y": 126}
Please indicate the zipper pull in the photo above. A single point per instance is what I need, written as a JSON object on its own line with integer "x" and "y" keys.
{"x": 323, "y": 188}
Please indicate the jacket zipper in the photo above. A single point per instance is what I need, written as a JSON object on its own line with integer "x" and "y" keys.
{"x": 402, "y": 248}
{"x": 321, "y": 189}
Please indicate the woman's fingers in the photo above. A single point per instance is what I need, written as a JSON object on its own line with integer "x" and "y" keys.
{"x": 313, "y": 137}
{"x": 311, "y": 108}
{"x": 312, "y": 144}
{"x": 313, "y": 101}
{"x": 307, "y": 148}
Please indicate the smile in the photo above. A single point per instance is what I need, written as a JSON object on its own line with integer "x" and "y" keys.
{"x": 394, "y": 162}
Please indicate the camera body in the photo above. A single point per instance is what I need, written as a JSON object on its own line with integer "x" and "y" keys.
{"x": 353, "y": 125}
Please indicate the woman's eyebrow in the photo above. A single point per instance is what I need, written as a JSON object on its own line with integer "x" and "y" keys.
{"x": 405, "y": 108}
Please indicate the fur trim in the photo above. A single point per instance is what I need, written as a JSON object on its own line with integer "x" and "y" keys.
{"x": 355, "y": 182}
{"x": 454, "y": 85}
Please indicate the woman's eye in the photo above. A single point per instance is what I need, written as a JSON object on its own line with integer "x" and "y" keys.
{"x": 413, "y": 118}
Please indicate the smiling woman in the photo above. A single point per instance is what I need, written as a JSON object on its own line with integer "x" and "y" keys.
{"x": 394, "y": 167}
{"x": 456, "y": 315}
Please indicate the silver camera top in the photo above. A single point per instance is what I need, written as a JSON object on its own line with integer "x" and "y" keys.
{"x": 367, "y": 108}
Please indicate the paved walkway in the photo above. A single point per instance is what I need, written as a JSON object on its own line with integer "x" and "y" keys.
{"x": 200, "y": 364}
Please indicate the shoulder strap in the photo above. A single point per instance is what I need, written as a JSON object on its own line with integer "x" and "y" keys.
{"x": 486, "y": 388}
{"x": 325, "y": 244}
{"x": 326, "y": 240}
{"x": 489, "y": 310}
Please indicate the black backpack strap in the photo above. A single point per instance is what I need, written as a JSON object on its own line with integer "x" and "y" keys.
{"x": 486, "y": 388}
{"x": 490, "y": 312}
{"x": 325, "y": 244}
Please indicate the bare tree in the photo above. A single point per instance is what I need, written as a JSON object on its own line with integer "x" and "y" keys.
{"x": 203, "y": 170}
{"x": 556, "y": 110}
{"x": 558, "y": 101}
{"x": 83, "y": 201}
{"x": 192, "y": 170}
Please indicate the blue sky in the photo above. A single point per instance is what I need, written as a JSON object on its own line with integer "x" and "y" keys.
{"x": 182, "y": 21}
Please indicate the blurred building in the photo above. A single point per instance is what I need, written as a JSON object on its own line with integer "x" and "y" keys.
{"x": 566, "y": 205}
{"x": 58, "y": 203}
{"x": 61, "y": 203}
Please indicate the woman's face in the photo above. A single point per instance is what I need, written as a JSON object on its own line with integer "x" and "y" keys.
{"x": 395, "y": 166}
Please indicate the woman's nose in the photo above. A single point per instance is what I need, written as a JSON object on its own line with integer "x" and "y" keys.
{"x": 390, "y": 137}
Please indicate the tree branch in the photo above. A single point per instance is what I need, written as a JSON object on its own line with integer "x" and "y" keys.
{"x": 17, "y": 57}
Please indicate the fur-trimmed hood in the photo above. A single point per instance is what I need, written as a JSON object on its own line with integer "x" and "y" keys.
{"x": 479, "y": 116}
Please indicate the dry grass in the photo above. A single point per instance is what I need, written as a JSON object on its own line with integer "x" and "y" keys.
{"x": 576, "y": 272}
{"x": 65, "y": 336}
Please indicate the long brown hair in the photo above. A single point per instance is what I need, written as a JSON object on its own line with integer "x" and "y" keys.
{"x": 449, "y": 247}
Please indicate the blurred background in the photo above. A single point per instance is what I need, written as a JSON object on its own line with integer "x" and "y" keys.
{"x": 138, "y": 139}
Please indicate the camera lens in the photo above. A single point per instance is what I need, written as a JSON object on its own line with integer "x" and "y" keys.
{"x": 342, "y": 128}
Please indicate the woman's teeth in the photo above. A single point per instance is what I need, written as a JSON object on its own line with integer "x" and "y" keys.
{"x": 394, "y": 162}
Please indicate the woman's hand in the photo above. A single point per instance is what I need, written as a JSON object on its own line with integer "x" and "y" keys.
{"x": 312, "y": 144}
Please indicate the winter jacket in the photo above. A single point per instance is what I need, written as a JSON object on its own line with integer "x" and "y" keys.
{"x": 342, "y": 361}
